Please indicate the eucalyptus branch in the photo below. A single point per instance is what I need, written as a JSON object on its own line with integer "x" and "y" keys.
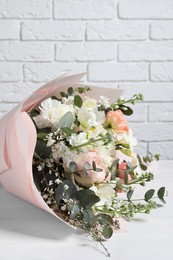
{"x": 132, "y": 100}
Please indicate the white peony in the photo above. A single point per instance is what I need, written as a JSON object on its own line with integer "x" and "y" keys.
{"x": 52, "y": 110}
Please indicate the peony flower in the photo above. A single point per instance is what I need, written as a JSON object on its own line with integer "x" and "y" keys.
{"x": 92, "y": 177}
{"x": 105, "y": 192}
{"x": 116, "y": 121}
{"x": 52, "y": 110}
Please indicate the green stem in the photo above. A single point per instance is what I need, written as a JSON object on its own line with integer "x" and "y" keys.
{"x": 87, "y": 143}
{"x": 97, "y": 239}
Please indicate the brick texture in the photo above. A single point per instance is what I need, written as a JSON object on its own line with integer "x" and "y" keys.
{"x": 125, "y": 44}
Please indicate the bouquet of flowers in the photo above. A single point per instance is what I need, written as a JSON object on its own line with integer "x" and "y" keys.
{"x": 84, "y": 165}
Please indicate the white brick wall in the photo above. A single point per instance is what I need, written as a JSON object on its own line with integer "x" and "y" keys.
{"x": 124, "y": 44}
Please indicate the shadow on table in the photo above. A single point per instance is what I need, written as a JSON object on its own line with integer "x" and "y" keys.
{"x": 18, "y": 216}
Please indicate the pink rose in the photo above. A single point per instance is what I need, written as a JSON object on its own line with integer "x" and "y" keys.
{"x": 116, "y": 121}
{"x": 92, "y": 177}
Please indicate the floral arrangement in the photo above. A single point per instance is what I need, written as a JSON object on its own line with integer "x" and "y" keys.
{"x": 84, "y": 164}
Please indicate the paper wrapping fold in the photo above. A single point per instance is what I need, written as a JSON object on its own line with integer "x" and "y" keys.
{"x": 18, "y": 139}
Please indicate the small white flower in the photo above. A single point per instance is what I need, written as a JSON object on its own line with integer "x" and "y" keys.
{"x": 58, "y": 181}
{"x": 40, "y": 167}
{"x": 50, "y": 183}
{"x": 66, "y": 187}
{"x": 50, "y": 140}
{"x": 77, "y": 139}
{"x": 104, "y": 101}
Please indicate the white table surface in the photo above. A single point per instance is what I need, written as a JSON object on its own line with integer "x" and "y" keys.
{"x": 28, "y": 233}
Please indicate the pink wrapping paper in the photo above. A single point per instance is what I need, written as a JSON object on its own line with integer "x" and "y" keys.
{"x": 18, "y": 139}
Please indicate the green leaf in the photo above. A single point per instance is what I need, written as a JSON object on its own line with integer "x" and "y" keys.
{"x": 126, "y": 152}
{"x": 42, "y": 150}
{"x": 149, "y": 194}
{"x": 68, "y": 131}
{"x": 63, "y": 94}
{"x": 66, "y": 120}
{"x": 94, "y": 166}
{"x": 104, "y": 218}
{"x": 87, "y": 198}
{"x": 70, "y": 91}
{"x": 143, "y": 167}
{"x": 74, "y": 211}
{"x": 73, "y": 167}
{"x": 126, "y": 110}
{"x": 126, "y": 180}
{"x": 107, "y": 231}
{"x": 86, "y": 167}
{"x": 59, "y": 191}
{"x": 41, "y": 136}
{"x": 78, "y": 101}
{"x": 129, "y": 194}
{"x": 114, "y": 163}
{"x": 161, "y": 193}
{"x": 71, "y": 191}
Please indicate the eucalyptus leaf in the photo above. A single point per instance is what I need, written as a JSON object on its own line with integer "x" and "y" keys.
{"x": 126, "y": 110}
{"x": 75, "y": 211}
{"x": 42, "y": 150}
{"x": 63, "y": 94}
{"x": 78, "y": 101}
{"x": 129, "y": 194}
{"x": 59, "y": 191}
{"x": 70, "y": 91}
{"x": 161, "y": 193}
{"x": 149, "y": 194}
{"x": 66, "y": 120}
{"x": 87, "y": 198}
{"x": 71, "y": 191}
{"x": 86, "y": 167}
{"x": 68, "y": 131}
{"x": 94, "y": 166}
{"x": 107, "y": 231}
{"x": 73, "y": 167}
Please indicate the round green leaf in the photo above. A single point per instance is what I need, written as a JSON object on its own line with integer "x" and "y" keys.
{"x": 149, "y": 194}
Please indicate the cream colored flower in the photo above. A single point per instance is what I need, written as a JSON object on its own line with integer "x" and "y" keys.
{"x": 106, "y": 192}
{"x": 86, "y": 118}
{"x": 90, "y": 103}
